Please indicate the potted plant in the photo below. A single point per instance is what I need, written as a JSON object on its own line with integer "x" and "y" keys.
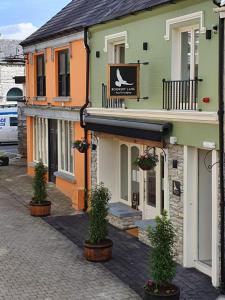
{"x": 147, "y": 161}
{"x": 39, "y": 206}
{"x": 163, "y": 267}
{"x": 81, "y": 145}
{"x": 4, "y": 160}
{"x": 98, "y": 248}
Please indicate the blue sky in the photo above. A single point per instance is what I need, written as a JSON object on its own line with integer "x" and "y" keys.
{"x": 19, "y": 18}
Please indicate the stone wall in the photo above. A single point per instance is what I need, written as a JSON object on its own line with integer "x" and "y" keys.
{"x": 94, "y": 166}
{"x": 22, "y": 130}
{"x": 176, "y": 205}
{"x": 7, "y": 73}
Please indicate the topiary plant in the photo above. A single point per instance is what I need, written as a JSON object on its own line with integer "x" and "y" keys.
{"x": 100, "y": 197}
{"x": 163, "y": 267}
{"x": 39, "y": 184}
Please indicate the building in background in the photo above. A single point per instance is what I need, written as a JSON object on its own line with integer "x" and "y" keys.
{"x": 12, "y": 84}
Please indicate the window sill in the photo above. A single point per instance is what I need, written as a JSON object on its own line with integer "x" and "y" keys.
{"x": 62, "y": 99}
{"x": 39, "y": 98}
{"x": 67, "y": 177}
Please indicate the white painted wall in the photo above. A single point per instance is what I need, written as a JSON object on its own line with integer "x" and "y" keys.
{"x": 108, "y": 165}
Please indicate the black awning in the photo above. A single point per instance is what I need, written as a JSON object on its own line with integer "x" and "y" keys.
{"x": 141, "y": 129}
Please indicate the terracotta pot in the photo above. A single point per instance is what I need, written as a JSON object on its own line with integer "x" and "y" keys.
{"x": 173, "y": 296}
{"x": 40, "y": 210}
{"x": 98, "y": 253}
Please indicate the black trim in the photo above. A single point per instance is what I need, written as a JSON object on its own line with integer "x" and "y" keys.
{"x": 130, "y": 128}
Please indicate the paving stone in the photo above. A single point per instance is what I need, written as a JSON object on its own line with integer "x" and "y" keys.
{"x": 38, "y": 262}
{"x": 130, "y": 261}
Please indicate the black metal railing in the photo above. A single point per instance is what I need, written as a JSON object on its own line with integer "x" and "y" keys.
{"x": 180, "y": 94}
{"x": 111, "y": 102}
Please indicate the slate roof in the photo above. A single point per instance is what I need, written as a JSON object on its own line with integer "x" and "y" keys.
{"x": 79, "y": 14}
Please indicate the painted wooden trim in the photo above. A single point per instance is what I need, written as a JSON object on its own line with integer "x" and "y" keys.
{"x": 54, "y": 43}
{"x": 130, "y": 140}
{"x": 215, "y": 221}
{"x": 179, "y": 116}
{"x": 114, "y": 38}
{"x": 177, "y": 22}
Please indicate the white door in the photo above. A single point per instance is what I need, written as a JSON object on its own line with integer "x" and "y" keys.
{"x": 154, "y": 189}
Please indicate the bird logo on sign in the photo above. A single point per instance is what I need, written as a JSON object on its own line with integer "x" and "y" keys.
{"x": 120, "y": 80}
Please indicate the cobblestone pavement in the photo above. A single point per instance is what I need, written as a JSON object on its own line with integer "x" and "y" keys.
{"x": 15, "y": 180}
{"x": 130, "y": 259}
{"x": 37, "y": 262}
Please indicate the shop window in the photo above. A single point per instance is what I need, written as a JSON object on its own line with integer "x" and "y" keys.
{"x": 151, "y": 188}
{"x": 65, "y": 150}
{"x": 41, "y": 79}
{"x": 64, "y": 73}
{"x": 40, "y": 142}
{"x": 124, "y": 172}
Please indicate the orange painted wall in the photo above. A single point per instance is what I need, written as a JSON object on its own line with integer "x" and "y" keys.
{"x": 75, "y": 191}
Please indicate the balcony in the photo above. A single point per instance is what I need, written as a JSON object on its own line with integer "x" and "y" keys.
{"x": 180, "y": 94}
{"x": 109, "y": 102}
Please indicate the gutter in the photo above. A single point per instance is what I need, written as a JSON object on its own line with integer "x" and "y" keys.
{"x": 221, "y": 10}
{"x": 221, "y": 146}
{"x": 82, "y": 115}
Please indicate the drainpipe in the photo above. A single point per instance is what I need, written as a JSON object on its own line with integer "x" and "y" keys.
{"x": 221, "y": 145}
{"x": 82, "y": 114}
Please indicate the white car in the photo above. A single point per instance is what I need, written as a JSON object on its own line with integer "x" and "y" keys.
{"x": 8, "y": 124}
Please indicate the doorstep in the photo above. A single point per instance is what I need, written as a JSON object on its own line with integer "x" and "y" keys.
{"x": 143, "y": 230}
{"x": 123, "y": 216}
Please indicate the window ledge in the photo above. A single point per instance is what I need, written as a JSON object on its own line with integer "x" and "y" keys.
{"x": 62, "y": 99}
{"x": 67, "y": 177}
{"x": 39, "y": 98}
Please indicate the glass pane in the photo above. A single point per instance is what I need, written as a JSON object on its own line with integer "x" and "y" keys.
{"x": 71, "y": 150}
{"x": 66, "y": 146}
{"x": 196, "y": 52}
{"x": 185, "y": 55}
{"x": 124, "y": 172}
{"x": 40, "y": 64}
{"x": 62, "y": 150}
{"x": 135, "y": 178}
{"x": 62, "y": 63}
{"x": 122, "y": 54}
{"x": 151, "y": 188}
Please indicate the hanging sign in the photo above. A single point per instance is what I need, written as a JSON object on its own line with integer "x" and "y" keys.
{"x": 123, "y": 81}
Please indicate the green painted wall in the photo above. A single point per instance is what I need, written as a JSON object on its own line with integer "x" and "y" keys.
{"x": 150, "y": 27}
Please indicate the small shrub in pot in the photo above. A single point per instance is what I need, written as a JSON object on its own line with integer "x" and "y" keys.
{"x": 162, "y": 265}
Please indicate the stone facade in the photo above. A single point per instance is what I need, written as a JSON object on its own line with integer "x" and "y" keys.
{"x": 94, "y": 167}
{"x": 7, "y": 81}
{"x": 22, "y": 130}
{"x": 123, "y": 223}
{"x": 143, "y": 236}
{"x": 176, "y": 204}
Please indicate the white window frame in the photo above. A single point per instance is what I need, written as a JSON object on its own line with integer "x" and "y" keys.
{"x": 40, "y": 140}
{"x": 62, "y": 146}
{"x": 185, "y": 20}
{"x": 112, "y": 40}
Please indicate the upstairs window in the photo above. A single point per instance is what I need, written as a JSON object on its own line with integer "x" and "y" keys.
{"x": 41, "y": 81}
{"x": 63, "y": 73}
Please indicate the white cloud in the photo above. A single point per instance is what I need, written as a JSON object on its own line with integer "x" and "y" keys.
{"x": 17, "y": 31}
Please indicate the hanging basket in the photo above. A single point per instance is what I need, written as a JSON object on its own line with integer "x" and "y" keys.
{"x": 81, "y": 145}
{"x": 147, "y": 161}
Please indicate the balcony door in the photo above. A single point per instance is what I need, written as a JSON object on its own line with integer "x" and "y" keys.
{"x": 189, "y": 53}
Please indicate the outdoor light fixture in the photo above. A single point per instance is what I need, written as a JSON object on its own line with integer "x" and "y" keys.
{"x": 97, "y": 54}
{"x": 145, "y": 46}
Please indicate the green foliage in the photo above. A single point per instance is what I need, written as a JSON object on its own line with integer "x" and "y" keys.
{"x": 39, "y": 184}
{"x": 162, "y": 239}
{"x": 100, "y": 197}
